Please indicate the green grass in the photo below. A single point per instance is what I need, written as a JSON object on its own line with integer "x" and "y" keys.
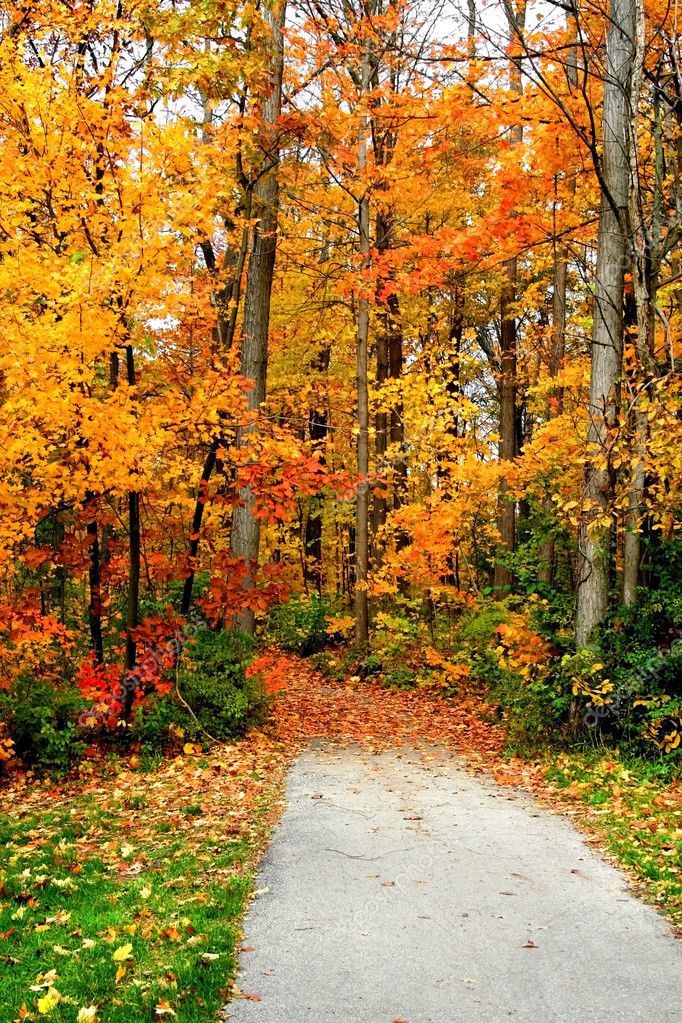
{"x": 72, "y": 894}
{"x": 637, "y": 808}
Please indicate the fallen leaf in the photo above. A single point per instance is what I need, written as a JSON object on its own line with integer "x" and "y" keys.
{"x": 164, "y": 1009}
{"x": 44, "y": 980}
{"x": 87, "y": 1015}
{"x": 49, "y": 1001}
{"x": 122, "y": 953}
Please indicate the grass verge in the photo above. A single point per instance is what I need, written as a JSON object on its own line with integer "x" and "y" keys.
{"x": 121, "y": 902}
{"x": 635, "y": 809}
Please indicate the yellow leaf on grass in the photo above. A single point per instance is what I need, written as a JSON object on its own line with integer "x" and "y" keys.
{"x": 120, "y": 973}
{"x": 122, "y": 953}
{"x": 49, "y": 1001}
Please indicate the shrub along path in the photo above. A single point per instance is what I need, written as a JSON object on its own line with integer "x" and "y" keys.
{"x": 121, "y": 889}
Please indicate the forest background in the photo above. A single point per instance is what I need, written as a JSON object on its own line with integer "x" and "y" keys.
{"x": 351, "y": 327}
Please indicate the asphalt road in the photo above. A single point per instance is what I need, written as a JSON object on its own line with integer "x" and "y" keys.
{"x": 400, "y": 888}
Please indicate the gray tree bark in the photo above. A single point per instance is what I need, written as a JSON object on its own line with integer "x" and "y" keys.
{"x": 596, "y": 548}
{"x": 245, "y": 536}
{"x": 645, "y": 273}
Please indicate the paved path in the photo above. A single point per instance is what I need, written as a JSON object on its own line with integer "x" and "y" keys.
{"x": 398, "y": 887}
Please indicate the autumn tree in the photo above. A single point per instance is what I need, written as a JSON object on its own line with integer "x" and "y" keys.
{"x": 261, "y": 268}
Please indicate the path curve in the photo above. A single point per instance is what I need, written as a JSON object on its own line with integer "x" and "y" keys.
{"x": 400, "y": 888}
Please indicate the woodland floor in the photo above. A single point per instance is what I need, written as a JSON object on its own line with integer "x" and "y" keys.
{"x": 122, "y": 889}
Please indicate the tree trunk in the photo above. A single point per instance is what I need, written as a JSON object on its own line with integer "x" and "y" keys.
{"x": 397, "y": 427}
{"x": 362, "y": 502}
{"x": 95, "y": 587}
{"x": 318, "y": 428}
{"x": 506, "y": 511}
{"x": 632, "y": 540}
{"x": 380, "y": 502}
{"x": 389, "y": 426}
{"x": 508, "y": 449}
{"x": 453, "y": 388}
{"x": 596, "y": 553}
{"x": 312, "y": 562}
{"x": 453, "y": 384}
{"x": 226, "y": 304}
{"x": 548, "y": 553}
{"x": 94, "y": 552}
{"x": 245, "y": 537}
{"x": 645, "y": 276}
{"x": 134, "y": 555}
{"x": 202, "y": 497}
{"x": 547, "y": 568}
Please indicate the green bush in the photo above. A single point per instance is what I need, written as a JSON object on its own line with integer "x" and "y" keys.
{"x": 213, "y": 682}
{"x": 401, "y": 678}
{"x": 300, "y": 624}
{"x": 476, "y": 639}
{"x": 157, "y": 721}
{"x": 533, "y": 708}
{"x": 335, "y": 664}
{"x": 476, "y": 632}
{"x": 398, "y": 640}
{"x": 214, "y": 696}
{"x": 640, "y": 648}
{"x": 536, "y": 711}
{"x": 42, "y": 722}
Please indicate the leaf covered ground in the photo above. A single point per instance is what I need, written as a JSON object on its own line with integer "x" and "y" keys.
{"x": 121, "y": 890}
